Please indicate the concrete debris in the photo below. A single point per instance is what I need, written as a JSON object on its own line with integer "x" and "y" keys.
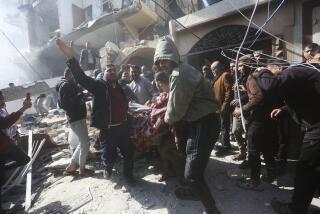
{"x": 124, "y": 189}
{"x": 54, "y": 193}
{"x": 62, "y": 154}
{"x": 59, "y": 164}
{"x": 83, "y": 204}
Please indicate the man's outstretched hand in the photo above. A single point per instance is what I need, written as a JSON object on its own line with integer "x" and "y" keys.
{"x": 66, "y": 50}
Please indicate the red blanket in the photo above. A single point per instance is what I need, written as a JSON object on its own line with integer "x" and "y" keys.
{"x": 147, "y": 123}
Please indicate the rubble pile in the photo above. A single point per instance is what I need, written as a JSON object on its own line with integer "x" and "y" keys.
{"x": 53, "y": 157}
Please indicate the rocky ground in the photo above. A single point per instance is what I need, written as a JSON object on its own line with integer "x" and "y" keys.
{"x": 97, "y": 195}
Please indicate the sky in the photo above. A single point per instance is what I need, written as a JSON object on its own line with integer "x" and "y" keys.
{"x": 10, "y": 72}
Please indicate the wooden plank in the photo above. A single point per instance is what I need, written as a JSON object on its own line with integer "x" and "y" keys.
{"x": 29, "y": 175}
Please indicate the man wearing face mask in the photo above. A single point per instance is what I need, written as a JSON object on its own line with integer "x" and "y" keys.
{"x": 109, "y": 113}
{"x": 71, "y": 99}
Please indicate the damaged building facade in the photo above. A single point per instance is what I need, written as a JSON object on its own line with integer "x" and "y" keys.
{"x": 120, "y": 23}
{"x": 218, "y": 25}
{"x": 123, "y": 31}
{"x": 126, "y": 31}
{"x": 201, "y": 30}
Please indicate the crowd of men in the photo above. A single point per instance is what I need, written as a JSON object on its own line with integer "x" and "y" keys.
{"x": 254, "y": 102}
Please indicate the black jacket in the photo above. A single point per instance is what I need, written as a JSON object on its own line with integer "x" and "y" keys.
{"x": 71, "y": 99}
{"x": 128, "y": 92}
{"x": 299, "y": 87}
{"x": 101, "y": 109}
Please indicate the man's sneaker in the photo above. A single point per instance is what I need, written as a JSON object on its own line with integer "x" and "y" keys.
{"x": 244, "y": 165}
{"x": 280, "y": 207}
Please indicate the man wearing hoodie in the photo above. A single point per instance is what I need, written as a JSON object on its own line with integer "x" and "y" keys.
{"x": 190, "y": 102}
{"x": 71, "y": 99}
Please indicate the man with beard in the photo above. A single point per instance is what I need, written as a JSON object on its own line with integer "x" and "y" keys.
{"x": 222, "y": 90}
{"x": 237, "y": 129}
{"x": 140, "y": 86}
{"x": 109, "y": 113}
{"x": 207, "y": 73}
{"x": 190, "y": 102}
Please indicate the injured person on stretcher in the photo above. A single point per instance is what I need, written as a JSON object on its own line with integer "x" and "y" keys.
{"x": 150, "y": 130}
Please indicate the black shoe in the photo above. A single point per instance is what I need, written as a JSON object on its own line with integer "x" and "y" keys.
{"x": 244, "y": 165}
{"x": 131, "y": 181}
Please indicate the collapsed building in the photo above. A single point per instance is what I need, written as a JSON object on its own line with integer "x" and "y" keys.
{"x": 123, "y": 23}
{"x": 126, "y": 32}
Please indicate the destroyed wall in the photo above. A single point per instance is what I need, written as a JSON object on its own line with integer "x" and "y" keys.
{"x": 140, "y": 53}
{"x": 89, "y": 9}
{"x": 19, "y": 92}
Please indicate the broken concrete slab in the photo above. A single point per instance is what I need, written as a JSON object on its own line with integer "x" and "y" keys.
{"x": 62, "y": 154}
{"x": 54, "y": 121}
{"x": 59, "y": 164}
